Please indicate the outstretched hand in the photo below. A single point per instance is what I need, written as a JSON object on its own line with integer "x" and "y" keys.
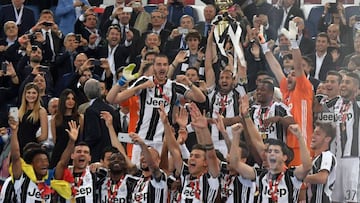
{"x": 182, "y": 118}
{"x": 198, "y": 120}
{"x": 107, "y": 117}
{"x": 73, "y": 132}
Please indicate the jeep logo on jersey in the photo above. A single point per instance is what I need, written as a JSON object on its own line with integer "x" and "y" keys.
{"x": 139, "y": 197}
{"x": 155, "y": 102}
{"x": 83, "y": 191}
{"x": 331, "y": 117}
{"x": 269, "y": 129}
{"x": 281, "y": 192}
{"x": 114, "y": 200}
{"x": 35, "y": 193}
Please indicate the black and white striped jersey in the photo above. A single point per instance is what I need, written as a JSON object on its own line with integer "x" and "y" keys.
{"x": 235, "y": 188}
{"x": 347, "y": 119}
{"x": 321, "y": 193}
{"x": 149, "y": 190}
{"x": 288, "y": 187}
{"x": 273, "y": 130}
{"x": 7, "y": 191}
{"x": 149, "y": 126}
{"x": 120, "y": 191}
{"x": 196, "y": 189}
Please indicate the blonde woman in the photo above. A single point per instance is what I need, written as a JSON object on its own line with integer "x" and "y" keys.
{"x": 32, "y": 116}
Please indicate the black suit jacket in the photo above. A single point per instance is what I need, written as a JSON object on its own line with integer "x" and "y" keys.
{"x": 326, "y": 66}
{"x": 293, "y": 12}
{"x": 172, "y": 47}
{"x": 105, "y": 17}
{"x": 96, "y": 134}
{"x": 27, "y": 21}
{"x": 307, "y": 46}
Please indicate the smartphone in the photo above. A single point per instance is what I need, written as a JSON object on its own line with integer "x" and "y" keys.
{"x": 14, "y": 112}
{"x": 96, "y": 62}
{"x": 43, "y": 68}
{"x": 4, "y": 67}
{"x": 284, "y": 47}
{"x": 124, "y": 137}
{"x": 136, "y": 4}
{"x": 183, "y": 30}
{"x": 47, "y": 24}
{"x": 78, "y": 37}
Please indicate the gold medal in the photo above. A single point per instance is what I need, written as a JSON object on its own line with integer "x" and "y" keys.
{"x": 73, "y": 200}
{"x": 263, "y": 135}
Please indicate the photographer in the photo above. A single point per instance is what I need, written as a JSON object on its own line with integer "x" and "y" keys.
{"x": 51, "y": 36}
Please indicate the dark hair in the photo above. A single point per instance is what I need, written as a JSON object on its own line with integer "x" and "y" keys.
{"x": 328, "y": 128}
{"x": 199, "y": 147}
{"x": 47, "y": 11}
{"x": 147, "y": 67}
{"x": 335, "y": 73}
{"x": 32, "y": 149}
{"x": 108, "y": 149}
{"x": 309, "y": 61}
{"x": 193, "y": 34}
{"x": 284, "y": 148}
{"x": 193, "y": 68}
{"x": 59, "y": 116}
{"x": 323, "y": 34}
{"x": 161, "y": 56}
{"x": 113, "y": 27}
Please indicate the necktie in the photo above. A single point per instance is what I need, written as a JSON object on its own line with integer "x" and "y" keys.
{"x": 47, "y": 39}
{"x": 208, "y": 26}
{"x": 124, "y": 124}
{"x": 123, "y": 32}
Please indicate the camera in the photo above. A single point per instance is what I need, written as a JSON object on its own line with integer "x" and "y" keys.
{"x": 333, "y": 8}
{"x": 96, "y": 62}
{"x": 78, "y": 37}
{"x": 34, "y": 48}
{"x": 4, "y": 67}
{"x": 284, "y": 47}
{"x": 47, "y": 24}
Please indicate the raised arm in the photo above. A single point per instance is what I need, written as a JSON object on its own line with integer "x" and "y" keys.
{"x": 221, "y": 127}
{"x": 151, "y": 163}
{"x": 107, "y": 117}
{"x": 115, "y": 96}
{"x": 194, "y": 94}
{"x": 302, "y": 170}
{"x": 252, "y": 135}
{"x": 200, "y": 124}
{"x": 65, "y": 156}
{"x": 172, "y": 144}
{"x": 235, "y": 153}
{"x": 209, "y": 72}
{"x": 15, "y": 149}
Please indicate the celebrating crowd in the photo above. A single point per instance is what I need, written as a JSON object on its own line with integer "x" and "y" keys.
{"x": 126, "y": 105}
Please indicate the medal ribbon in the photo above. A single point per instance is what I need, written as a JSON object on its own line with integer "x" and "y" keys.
{"x": 273, "y": 187}
{"x": 113, "y": 189}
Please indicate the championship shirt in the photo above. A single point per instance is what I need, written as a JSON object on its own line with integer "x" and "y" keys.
{"x": 322, "y": 192}
{"x": 226, "y": 105}
{"x": 28, "y": 191}
{"x": 284, "y": 187}
{"x": 84, "y": 186}
{"x": 346, "y": 117}
{"x": 7, "y": 191}
{"x": 235, "y": 188}
{"x": 149, "y": 125}
{"x": 149, "y": 190}
{"x": 273, "y": 130}
{"x": 120, "y": 191}
{"x": 196, "y": 189}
